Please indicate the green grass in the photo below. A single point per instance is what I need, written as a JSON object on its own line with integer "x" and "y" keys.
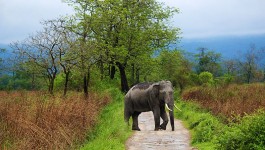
{"x": 209, "y": 132}
{"x": 202, "y": 125}
{"x": 111, "y": 131}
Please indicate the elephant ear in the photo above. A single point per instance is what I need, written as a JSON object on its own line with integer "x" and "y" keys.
{"x": 155, "y": 89}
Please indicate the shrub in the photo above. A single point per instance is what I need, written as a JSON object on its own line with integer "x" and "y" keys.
{"x": 206, "y": 78}
{"x": 249, "y": 134}
{"x": 194, "y": 78}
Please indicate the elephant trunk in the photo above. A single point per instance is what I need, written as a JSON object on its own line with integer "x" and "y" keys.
{"x": 171, "y": 117}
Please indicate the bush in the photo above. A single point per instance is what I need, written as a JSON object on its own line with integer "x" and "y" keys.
{"x": 206, "y": 78}
{"x": 249, "y": 134}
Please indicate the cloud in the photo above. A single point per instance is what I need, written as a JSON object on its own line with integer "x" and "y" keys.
{"x": 19, "y": 18}
{"x": 204, "y": 18}
{"x": 197, "y": 19}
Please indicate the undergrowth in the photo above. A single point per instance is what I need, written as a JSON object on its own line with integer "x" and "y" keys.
{"x": 36, "y": 120}
{"x": 111, "y": 131}
{"x": 230, "y": 102}
{"x": 216, "y": 124}
{"x": 203, "y": 126}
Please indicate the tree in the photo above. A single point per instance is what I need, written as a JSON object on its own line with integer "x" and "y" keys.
{"x": 40, "y": 53}
{"x": 230, "y": 67}
{"x": 85, "y": 46}
{"x": 249, "y": 64}
{"x": 125, "y": 30}
{"x": 175, "y": 67}
{"x": 66, "y": 47}
{"x": 208, "y": 61}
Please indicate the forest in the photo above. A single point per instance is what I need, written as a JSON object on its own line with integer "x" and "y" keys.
{"x": 119, "y": 44}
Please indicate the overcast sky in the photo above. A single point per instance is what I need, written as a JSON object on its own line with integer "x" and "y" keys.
{"x": 208, "y": 18}
{"x": 197, "y": 18}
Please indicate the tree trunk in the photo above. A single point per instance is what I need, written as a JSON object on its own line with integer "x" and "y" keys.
{"x": 86, "y": 83}
{"x": 124, "y": 82}
{"x": 51, "y": 85}
{"x": 101, "y": 65}
{"x": 66, "y": 83}
{"x": 112, "y": 72}
{"x": 33, "y": 87}
{"x": 137, "y": 75}
{"x": 132, "y": 75}
{"x": 85, "y": 86}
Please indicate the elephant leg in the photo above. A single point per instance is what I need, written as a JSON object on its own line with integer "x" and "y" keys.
{"x": 156, "y": 113}
{"x": 127, "y": 116}
{"x": 128, "y": 111}
{"x": 135, "y": 121}
{"x": 165, "y": 120}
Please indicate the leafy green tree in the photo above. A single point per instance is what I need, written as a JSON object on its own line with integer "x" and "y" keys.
{"x": 208, "y": 61}
{"x": 175, "y": 67}
{"x": 125, "y": 30}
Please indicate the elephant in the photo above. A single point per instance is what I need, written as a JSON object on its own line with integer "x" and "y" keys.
{"x": 144, "y": 97}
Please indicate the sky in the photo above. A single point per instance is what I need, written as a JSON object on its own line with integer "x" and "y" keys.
{"x": 20, "y": 18}
{"x": 215, "y": 18}
{"x": 197, "y": 18}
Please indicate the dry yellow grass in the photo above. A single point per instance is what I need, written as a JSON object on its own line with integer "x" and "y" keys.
{"x": 36, "y": 120}
{"x": 232, "y": 102}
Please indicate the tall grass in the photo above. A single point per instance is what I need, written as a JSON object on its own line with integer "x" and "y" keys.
{"x": 231, "y": 117}
{"x": 36, "y": 120}
{"x": 231, "y": 102}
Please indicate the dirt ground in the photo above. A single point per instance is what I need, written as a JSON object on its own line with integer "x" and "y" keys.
{"x": 148, "y": 139}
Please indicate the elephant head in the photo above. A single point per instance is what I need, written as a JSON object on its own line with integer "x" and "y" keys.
{"x": 165, "y": 93}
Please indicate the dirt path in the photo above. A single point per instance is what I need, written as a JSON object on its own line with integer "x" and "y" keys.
{"x": 148, "y": 139}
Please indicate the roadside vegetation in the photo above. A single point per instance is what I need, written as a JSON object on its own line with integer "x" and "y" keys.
{"x": 37, "y": 120}
{"x": 111, "y": 131}
{"x": 229, "y": 117}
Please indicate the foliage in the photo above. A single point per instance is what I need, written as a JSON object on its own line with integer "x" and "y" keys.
{"x": 123, "y": 32}
{"x": 173, "y": 66}
{"x": 203, "y": 126}
{"x": 247, "y": 135}
{"x": 208, "y": 131}
{"x": 206, "y": 78}
{"x": 208, "y": 61}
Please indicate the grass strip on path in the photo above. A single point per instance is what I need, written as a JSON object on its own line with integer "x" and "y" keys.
{"x": 111, "y": 131}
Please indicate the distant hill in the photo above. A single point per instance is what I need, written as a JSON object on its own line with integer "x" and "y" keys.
{"x": 229, "y": 47}
{"x": 7, "y": 53}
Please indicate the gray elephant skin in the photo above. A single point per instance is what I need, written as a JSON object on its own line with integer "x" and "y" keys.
{"x": 153, "y": 97}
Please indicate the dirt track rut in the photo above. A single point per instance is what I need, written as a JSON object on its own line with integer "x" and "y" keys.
{"x": 148, "y": 139}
